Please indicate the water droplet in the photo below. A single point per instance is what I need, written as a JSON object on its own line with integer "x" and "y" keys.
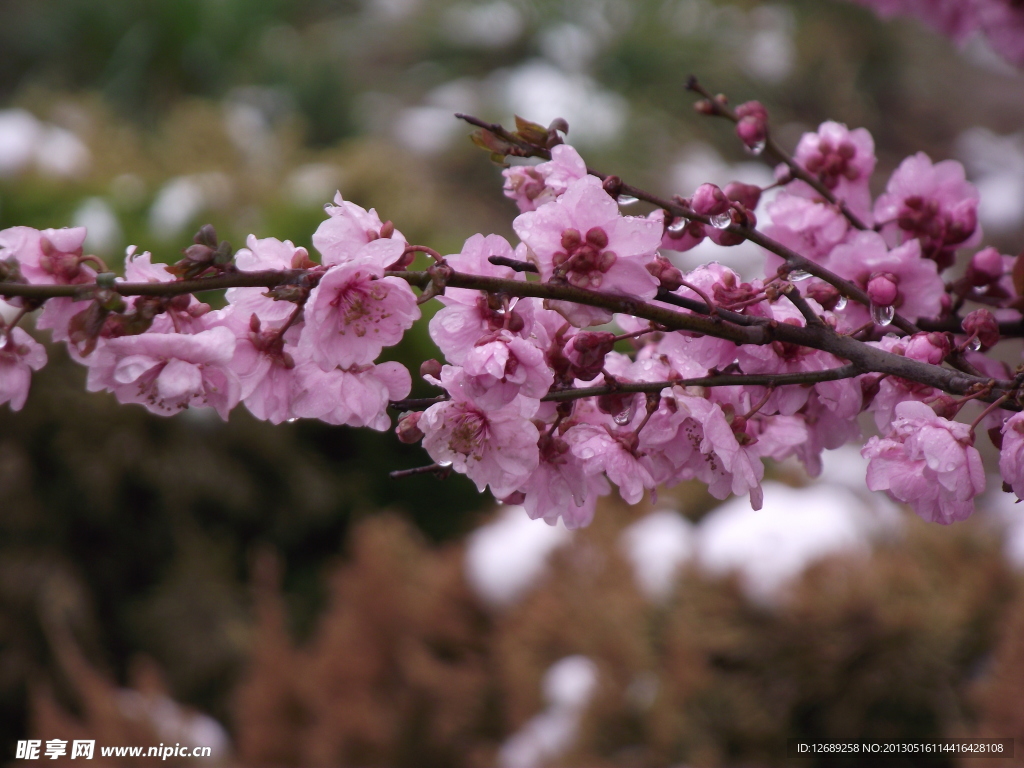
{"x": 444, "y": 463}
{"x": 757, "y": 148}
{"x": 721, "y": 221}
{"x": 622, "y": 418}
{"x": 974, "y": 344}
{"x": 292, "y": 420}
{"x": 678, "y": 225}
{"x": 883, "y": 315}
{"x": 512, "y": 303}
{"x": 796, "y": 275}
{"x": 840, "y": 304}
{"x": 626, "y": 199}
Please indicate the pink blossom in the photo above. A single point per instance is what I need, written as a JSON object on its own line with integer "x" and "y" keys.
{"x": 501, "y": 366}
{"x": 533, "y": 186}
{"x": 560, "y": 488}
{"x": 900, "y": 277}
{"x": 20, "y": 354}
{"x": 613, "y": 452}
{"x": 50, "y": 257}
{"x": 927, "y": 462}
{"x": 809, "y": 227}
{"x": 268, "y": 253}
{"x": 354, "y": 313}
{"x": 357, "y": 397}
{"x": 1011, "y": 455}
{"x": 583, "y": 238}
{"x": 933, "y": 203}
{"x": 167, "y": 372}
{"x": 347, "y": 229}
{"x": 264, "y": 363}
{"x": 843, "y": 160}
{"x": 496, "y": 448}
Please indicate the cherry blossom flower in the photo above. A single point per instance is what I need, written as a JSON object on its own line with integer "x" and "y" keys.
{"x": 495, "y": 448}
{"x": 501, "y": 366}
{"x": 933, "y": 203}
{"x": 843, "y": 160}
{"x": 353, "y": 313}
{"x": 50, "y": 257}
{"x": 20, "y": 354}
{"x": 168, "y": 372}
{"x": 357, "y": 397}
{"x": 583, "y": 238}
{"x": 927, "y": 462}
{"x": 899, "y": 278}
{"x": 531, "y": 186}
{"x": 347, "y": 229}
{"x": 560, "y": 487}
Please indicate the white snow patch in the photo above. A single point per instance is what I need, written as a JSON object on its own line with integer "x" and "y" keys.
{"x": 797, "y": 526}
{"x": 507, "y": 556}
{"x": 568, "y": 687}
{"x": 658, "y": 545}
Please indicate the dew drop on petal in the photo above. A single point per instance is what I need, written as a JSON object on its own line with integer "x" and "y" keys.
{"x": 796, "y": 275}
{"x": 444, "y": 463}
{"x": 626, "y": 199}
{"x": 721, "y": 221}
{"x": 840, "y": 304}
{"x": 622, "y": 418}
{"x": 678, "y": 225}
{"x": 292, "y": 420}
{"x": 974, "y": 344}
{"x": 757, "y": 147}
{"x": 883, "y": 315}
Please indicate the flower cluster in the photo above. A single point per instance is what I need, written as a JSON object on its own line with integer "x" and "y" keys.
{"x": 581, "y": 360}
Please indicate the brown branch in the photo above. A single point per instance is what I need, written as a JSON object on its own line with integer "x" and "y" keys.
{"x": 725, "y": 380}
{"x": 739, "y": 329}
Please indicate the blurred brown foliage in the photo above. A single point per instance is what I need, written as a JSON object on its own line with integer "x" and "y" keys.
{"x": 407, "y": 667}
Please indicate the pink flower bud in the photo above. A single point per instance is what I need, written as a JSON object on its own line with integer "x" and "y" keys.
{"x": 882, "y": 289}
{"x": 430, "y": 368}
{"x": 929, "y": 348}
{"x": 408, "y": 430}
{"x": 709, "y": 200}
{"x": 586, "y": 351}
{"x": 752, "y": 109}
{"x": 753, "y": 132}
{"x": 986, "y": 267}
{"x": 747, "y": 195}
{"x": 823, "y": 293}
{"x": 668, "y": 276}
{"x": 982, "y": 324}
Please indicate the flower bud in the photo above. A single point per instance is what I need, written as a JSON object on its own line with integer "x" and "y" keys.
{"x": 430, "y": 368}
{"x": 586, "y": 351}
{"x": 408, "y": 430}
{"x": 747, "y": 195}
{"x": 982, "y": 325}
{"x": 882, "y": 289}
{"x": 709, "y": 200}
{"x": 668, "y": 276}
{"x": 930, "y": 348}
{"x": 752, "y": 109}
{"x": 753, "y": 132}
{"x": 986, "y": 267}
{"x": 825, "y": 294}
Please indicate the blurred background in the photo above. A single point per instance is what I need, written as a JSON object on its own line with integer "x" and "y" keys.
{"x": 268, "y": 592}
